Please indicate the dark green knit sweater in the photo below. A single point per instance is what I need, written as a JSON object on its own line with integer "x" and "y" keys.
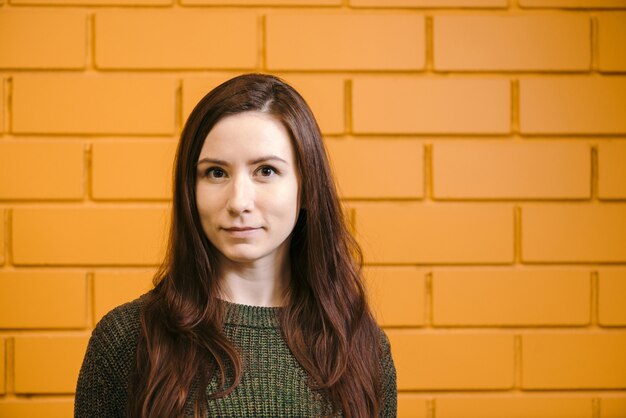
{"x": 273, "y": 382}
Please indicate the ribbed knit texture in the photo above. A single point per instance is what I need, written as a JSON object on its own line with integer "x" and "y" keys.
{"x": 273, "y": 382}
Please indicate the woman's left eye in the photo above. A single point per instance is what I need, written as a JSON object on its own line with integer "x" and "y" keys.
{"x": 267, "y": 171}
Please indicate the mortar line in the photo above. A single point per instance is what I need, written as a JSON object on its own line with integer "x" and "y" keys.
{"x": 347, "y": 89}
{"x": 262, "y": 43}
{"x": 517, "y": 362}
{"x": 8, "y": 251}
{"x": 595, "y": 298}
{"x": 428, "y": 172}
{"x": 429, "y": 59}
{"x": 515, "y": 121}
{"x": 520, "y": 358}
{"x": 352, "y": 219}
{"x": 9, "y": 105}
{"x": 517, "y": 235}
{"x": 87, "y": 171}
{"x": 594, "y": 173}
{"x": 594, "y": 63}
{"x": 178, "y": 107}
{"x": 428, "y": 300}
{"x": 5, "y": 362}
{"x": 90, "y": 310}
{"x": 4, "y": 105}
{"x": 4, "y": 257}
{"x": 10, "y": 365}
{"x": 90, "y": 42}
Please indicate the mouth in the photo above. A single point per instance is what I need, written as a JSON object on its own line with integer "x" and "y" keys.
{"x": 241, "y": 232}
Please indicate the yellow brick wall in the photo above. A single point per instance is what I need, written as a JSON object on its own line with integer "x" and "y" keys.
{"x": 479, "y": 146}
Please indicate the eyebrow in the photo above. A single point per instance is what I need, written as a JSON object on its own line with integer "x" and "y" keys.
{"x": 252, "y": 162}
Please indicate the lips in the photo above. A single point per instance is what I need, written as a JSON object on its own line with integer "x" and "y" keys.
{"x": 241, "y": 232}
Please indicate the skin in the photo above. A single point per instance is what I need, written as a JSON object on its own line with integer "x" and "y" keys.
{"x": 247, "y": 177}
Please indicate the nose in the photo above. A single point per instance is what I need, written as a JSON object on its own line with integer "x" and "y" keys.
{"x": 241, "y": 196}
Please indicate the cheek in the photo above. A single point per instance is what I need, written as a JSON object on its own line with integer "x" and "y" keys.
{"x": 284, "y": 201}
{"x": 205, "y": 206}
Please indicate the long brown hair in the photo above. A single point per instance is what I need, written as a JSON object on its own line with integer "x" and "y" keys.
{"x": 325, "y": 322}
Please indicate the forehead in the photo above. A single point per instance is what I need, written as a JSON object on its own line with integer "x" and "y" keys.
{"x": 246, "y": 135}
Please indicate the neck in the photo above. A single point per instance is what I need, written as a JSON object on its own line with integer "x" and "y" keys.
{"x": 260, "y": 282}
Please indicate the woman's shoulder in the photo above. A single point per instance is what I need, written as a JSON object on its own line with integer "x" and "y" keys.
{"x": 103, "y": 378}
{"x": 120, "y": 326}
{"x": 383, "y": 340}
{"x": 388, "y": 378}
{"x": 386, "y": 357}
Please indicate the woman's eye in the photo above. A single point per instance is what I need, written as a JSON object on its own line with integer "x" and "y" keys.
{"x": 215, "y": 172}
{"x": 267, "y": 171}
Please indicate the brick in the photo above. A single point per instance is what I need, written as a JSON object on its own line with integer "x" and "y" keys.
{"x": 511, "y": 170}
{"x": 164, "y": 38}
{"x": 412, "y": 406}
{"x": 40, "y": 39}
{"x": 345, "y": 42}
{"x": 30, "y": 170}
{"x": 612, "y": 41}
{"x": 408, "y": 233}
{"x": 195, "y": 88}
{"x": 430, "y": 3}
{"x": 574, "y": 361}
{"x": 113, "y": 288}
{"x": 572, "y": 105}
{"x": 452, "y": 361}
{"x": 514, "y": 407}
{"x": 95, "y": 2}
{"x": 378, "y": 168}
{"x": 511, "y": 297}
{"x": 574, "y": 4}
{"x": 612, "y": 297}
{"x": 90, "y": 236}
{"x": 28, "y": 408}
{"x": 576, "y": 233}
{"x": 612, "y": 407}
{"x": 404, "y": 105}
{"x": 264, "y": 2}
{"x": 3, "y": 362}
{"x": 611, "y": 170}
{"x": 133, "y": 169}
{"x": 69, "y": 104}
{"x": 324, "y": 94}
{"x": 38, "y": 356}
{"x": 65, "y": 310}
{"x": 512, "y": 43}
{"x": 396, "y": 295}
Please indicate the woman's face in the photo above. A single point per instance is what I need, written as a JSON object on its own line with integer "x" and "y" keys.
{"x": 247, "y": 187}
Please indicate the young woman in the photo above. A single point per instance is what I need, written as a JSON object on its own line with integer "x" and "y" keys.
{"x": 258, "y": 309}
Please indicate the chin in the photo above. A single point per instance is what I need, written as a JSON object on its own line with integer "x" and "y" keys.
{"x": 242, "y": 257}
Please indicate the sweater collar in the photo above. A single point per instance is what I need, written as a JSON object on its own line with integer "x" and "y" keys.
{"x": 252, "y": 316}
